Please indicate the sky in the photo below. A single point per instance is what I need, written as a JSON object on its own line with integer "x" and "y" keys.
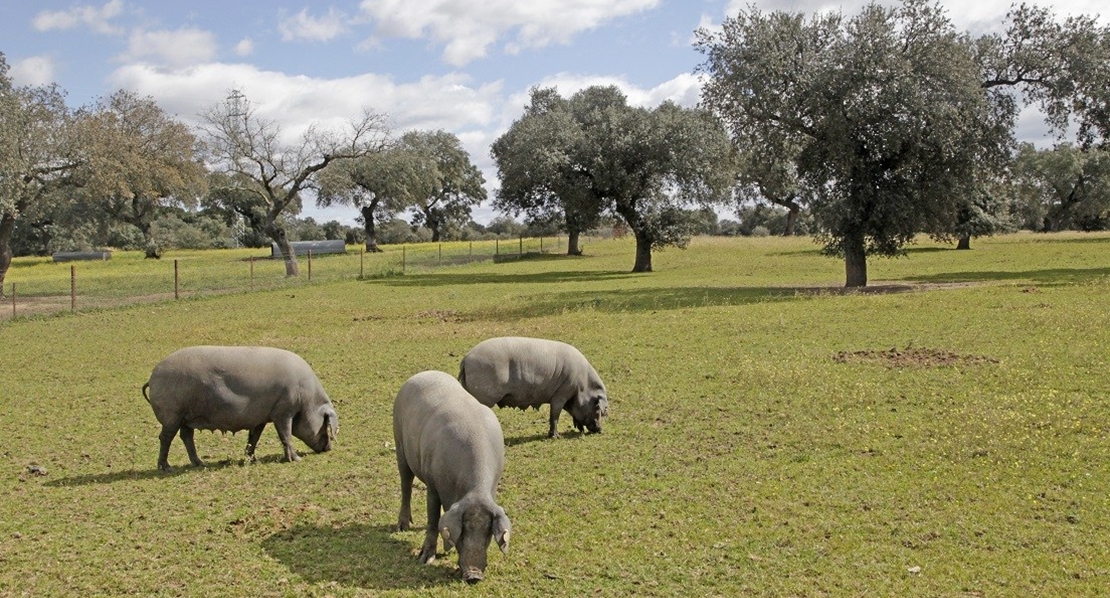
{"x": 464, "y": 66}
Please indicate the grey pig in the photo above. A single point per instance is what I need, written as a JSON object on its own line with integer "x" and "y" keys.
{"x": 239, "y": 388}
{"x": 514, "y": 371}
{"x": 454, "y": 445}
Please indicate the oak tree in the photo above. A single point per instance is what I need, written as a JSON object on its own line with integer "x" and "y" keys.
{"x": 594, "y": 153}
{"x": 259, "y": 160}
{"x": 883, "y": 115}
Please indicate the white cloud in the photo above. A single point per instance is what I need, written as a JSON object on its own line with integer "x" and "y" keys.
{"x": 303, "y": 26}
{"x": 96, "y": 19}
{"x": 467, "y": 28}
{"x": 245, "y": 47}
{"x": 684, "y": 90}
{"x": 33, "y": 71}
{"x": 447, "y": 102}
{"x": 177, "y": 48}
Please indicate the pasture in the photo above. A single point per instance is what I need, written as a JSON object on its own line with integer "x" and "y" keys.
{"x": 945, "y": 433}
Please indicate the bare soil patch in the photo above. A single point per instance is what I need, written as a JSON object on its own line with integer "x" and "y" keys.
{"x": 911, "y": 357}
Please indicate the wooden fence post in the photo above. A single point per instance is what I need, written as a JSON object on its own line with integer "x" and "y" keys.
{"x": 176, "y": 281}
{"x": 403, "y": 259}
{"x": 73, "y": 288}
{"x": 309, "y": 265}
{"x": 361, "y": 269}
{"x": 252, "y": 272}
{"x": 13, "y": 299}
{"x": 496, "y": 247}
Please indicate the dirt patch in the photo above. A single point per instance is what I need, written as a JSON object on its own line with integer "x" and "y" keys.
{"x": 911, "y": 357}
{"x": 442, "y": 315}
{"x": 882, "y": 288}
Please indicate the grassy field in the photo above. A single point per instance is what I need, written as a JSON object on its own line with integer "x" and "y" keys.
{"x": 946, "y": 433}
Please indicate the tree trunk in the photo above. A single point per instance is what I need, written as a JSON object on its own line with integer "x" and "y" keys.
{"x": 855, "y": 262}
{"x": 791, "y": 221}
{"x": 277, "y": 233}
{"x": 153, "y": 251}
{"x": 7, "y": 226}
{"x": 643, "y": 252}
{"x": 572, "y": 243}
{"x": 369, "y": 229}
{"x": 964, "y": 242}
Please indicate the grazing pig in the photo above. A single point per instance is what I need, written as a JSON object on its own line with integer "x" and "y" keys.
{"x": 239, "y": 388}
{"x": 513, "y": 371}
{"x": 454, "y": 445}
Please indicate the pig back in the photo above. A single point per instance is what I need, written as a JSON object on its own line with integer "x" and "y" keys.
{"x": 231, "y": 387}
{"x": 449, "y": 440}
{"x": 521, "y": 372}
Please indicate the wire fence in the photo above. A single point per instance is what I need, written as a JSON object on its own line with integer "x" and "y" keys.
{"x": 42, "y": 286}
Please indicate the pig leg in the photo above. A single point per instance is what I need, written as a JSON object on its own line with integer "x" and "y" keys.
{"x": 285, "y": 434}
{"x": 187, "y": 438}
{"x": 404, "y": 518}
{"x": 431, "y": 534}
{"x": 164, "y": 439}
{"x": 252, "y": 440}
{"x": 553, "y": 420}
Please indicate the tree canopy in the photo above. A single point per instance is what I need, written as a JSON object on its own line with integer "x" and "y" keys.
{"x": 443, "y": 185}
{"x": 138, "y": 159}
{"x": 38, "y": 153}
{"x": 883, "y": 115}
{"x": 594, "y": 153}
{"x": 252, "y": 151}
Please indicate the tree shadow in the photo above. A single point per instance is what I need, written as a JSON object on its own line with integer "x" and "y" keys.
{"x": 1048, "y": 276}
{"x": 644, "y": 300}
{"x": 155, "y": 473}
{"x": 438, "y": 279}
{"x": 355, "y": 555}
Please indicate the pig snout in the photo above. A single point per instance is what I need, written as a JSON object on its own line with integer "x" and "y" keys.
{"x": 472, "y": 575}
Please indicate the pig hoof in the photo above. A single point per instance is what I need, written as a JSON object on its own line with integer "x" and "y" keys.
{"x": 426, "y": 558}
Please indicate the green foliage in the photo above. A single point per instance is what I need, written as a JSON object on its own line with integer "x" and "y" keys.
{"x": 592, "y": 153}
{"x": 882, "y": 114}
{"x": 1064, "y": 188}
{"x": 740, "y": 456}
{"x": 448, "y": 185}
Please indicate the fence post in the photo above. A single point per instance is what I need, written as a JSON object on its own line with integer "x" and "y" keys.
{"x": 472, "y": 248}
{"x": 541, "y": 243}
{"x": 13, "y": 299}
{"x": 309, "y": 265}
{"x": 176, "y": 280}
{"x": 496, "y": 247}
{"x": 361, "y": 269}
{"x": 252, "y": 272}
{"x": 73, "y": 288}
{"x": 403, "y": 259}
{"x": 440, "y": 258}
{"x": 521, "y": 252}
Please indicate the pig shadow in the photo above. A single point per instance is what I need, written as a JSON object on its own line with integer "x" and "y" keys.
{"x": 525, "y": 439}
{"x": 155, "y": 473}
{"x": 357, "y": 555}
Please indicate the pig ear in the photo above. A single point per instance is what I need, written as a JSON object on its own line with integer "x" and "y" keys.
{"x": 450, "y": 526}
{"x": 501, "y": 528}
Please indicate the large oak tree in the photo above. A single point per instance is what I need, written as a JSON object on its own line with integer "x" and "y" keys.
{"x": 38, "y": 153}
{"x": 593, "y": 153}
{"x": 252, "y": 151}
{"x": 138, "y": 160}
{"x": 883, "y": 114}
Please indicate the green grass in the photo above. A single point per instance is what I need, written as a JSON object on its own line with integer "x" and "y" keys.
{"x": 740, "y": 457}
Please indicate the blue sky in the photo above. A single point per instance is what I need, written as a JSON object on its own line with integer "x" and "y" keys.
{"x": 464, "y": 66}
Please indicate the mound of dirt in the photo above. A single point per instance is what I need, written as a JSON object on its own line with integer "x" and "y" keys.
{"x": 911, "y": 357}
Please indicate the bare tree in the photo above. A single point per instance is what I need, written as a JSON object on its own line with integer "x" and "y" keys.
{"x": 250, "y": 148}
